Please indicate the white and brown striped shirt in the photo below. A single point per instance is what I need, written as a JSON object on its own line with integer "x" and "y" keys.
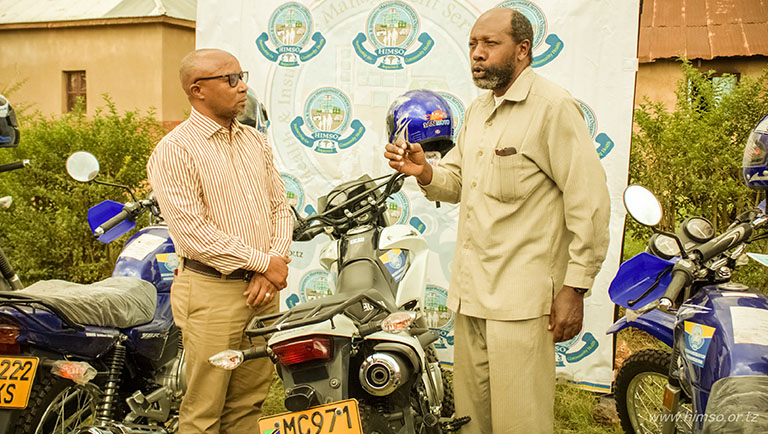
{"x": 221, "y": 195}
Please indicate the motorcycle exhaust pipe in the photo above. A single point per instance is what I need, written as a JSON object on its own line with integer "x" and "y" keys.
{"x": 382, "y": 373}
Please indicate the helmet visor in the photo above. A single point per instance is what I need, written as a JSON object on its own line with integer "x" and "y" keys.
{"x": 757, "y": 146}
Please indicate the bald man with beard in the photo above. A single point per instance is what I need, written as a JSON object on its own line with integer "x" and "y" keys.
{"x": 222, "y": 196}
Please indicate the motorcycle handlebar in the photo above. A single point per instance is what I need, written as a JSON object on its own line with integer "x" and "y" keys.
{"x": 728, "y": 240}
{"x": 680, "y": 278}
{"x": 14, "y": 166}
{"x": 111, "y": 223}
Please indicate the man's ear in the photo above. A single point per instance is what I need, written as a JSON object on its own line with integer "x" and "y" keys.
{"x": 523, "y": 48}
{"x": 195, "y": 91}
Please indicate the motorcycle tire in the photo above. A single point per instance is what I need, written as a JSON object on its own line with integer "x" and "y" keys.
{"x": 639, "y": 391}
{"x": 449, "y": 406}
{"x": 45, "y": 410}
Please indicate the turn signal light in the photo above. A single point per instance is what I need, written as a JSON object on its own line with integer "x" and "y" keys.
{"x": 304, "y": 349}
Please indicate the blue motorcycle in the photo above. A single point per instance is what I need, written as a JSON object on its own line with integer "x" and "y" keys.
{"x": 715, "y": 378}
{"x": 98, "y": 358}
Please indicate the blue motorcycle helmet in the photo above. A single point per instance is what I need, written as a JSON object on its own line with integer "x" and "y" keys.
{"x": 755, "y": 164}
{"x": 9, "y": 129}
{"x": 421, "y": 116}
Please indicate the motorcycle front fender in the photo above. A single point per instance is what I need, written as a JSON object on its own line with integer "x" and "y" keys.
{"x": 656, "y": 323}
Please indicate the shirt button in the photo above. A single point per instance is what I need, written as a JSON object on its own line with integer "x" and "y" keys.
{"x": 489, "y": 123}
{"x": 480, "y": 153}
{"x": 474, "y": 184}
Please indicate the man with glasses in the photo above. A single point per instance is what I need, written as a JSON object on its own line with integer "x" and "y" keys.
{"x": 224, "y": 200}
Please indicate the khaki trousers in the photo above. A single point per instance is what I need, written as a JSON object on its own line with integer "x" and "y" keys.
{"x": 212, "y": 315}
{"x": 504, "y": 375}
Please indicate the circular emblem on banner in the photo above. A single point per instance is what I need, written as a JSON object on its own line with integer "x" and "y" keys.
{"x": 290, "y": 29}
{"x": 290, "y": 25}
{"x": 398, "y": 209}
{"x": 314, "y": 285}
{"x": 534, "y": 15}
{"x": 294, "y": 191}
{"x": 589, "y": 118}
{"x": 392, "y": 24}
{"x": 391, "y": 28}
{"x": 327, "y": 110}
{"x": 438, "y": 316}
{"x": 575, "y": 349}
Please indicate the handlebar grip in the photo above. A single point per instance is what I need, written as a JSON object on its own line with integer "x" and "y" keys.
{"x": 728, "y": 240}
{"x": 14, "y": 166}
{"x": 680, "y": 279}
{"x": 109, "y": 224}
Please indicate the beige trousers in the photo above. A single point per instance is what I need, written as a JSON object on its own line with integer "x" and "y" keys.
{"x": 212, "y": 315}
{"x": 504, "y": 375}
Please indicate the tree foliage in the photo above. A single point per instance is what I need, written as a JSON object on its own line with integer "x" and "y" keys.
{"x": 45, "y": 233}
{"x": 690, "y": 157}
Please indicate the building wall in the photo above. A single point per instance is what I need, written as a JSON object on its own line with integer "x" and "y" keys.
{"x": 658, "y": 80}
{"x": 130, "y": 62}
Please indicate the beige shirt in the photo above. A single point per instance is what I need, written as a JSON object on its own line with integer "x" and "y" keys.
{"x": 534, "y": 202}
{"x": 221, "y": 194}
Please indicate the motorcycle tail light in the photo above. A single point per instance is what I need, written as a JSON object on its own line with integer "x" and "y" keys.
{"x": 9, "y": 333}
{"x": 304, "y": 349}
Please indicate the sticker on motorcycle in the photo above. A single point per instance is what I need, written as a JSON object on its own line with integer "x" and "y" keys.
{"x": 142, "y": 246}
{"x": 167, "y": 263}
{"x": 697, "y": 340}
{"x": 394, "y": 260}
{"x": 750, "y": 325}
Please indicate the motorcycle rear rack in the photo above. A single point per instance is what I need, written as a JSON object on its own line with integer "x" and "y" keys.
{"x": 301, "y": 316}
{"x": 15, "y": 301}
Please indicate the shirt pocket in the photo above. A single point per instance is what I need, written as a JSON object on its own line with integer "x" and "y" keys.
{"x": 513, "y": 177}
{"x": 502, "y": 180}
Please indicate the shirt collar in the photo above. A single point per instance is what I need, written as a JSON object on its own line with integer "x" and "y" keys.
{"x": 208, "y": 126}
{"x": 519, "y": 89}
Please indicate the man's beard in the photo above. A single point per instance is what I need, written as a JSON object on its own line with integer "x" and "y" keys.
{"x": 496, "y": 77}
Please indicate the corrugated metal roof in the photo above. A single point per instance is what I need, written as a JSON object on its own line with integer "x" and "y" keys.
{"x": 37, "y": 11}
{"x": 703, "y": 29}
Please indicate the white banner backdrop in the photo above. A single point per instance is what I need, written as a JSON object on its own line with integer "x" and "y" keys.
{"x": 327, "y": 71}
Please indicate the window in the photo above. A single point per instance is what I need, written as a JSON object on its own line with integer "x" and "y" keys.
{"x": 75, "y": 88}
{"x": 715, "y": 87}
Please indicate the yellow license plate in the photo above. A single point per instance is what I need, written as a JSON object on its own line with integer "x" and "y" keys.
{"x": 16, "y": 377}
{"x": 341, "y": 417}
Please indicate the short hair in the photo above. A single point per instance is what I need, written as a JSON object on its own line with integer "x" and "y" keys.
{"x": 521, "y": 29}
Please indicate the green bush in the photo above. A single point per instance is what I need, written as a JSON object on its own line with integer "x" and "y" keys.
{"x": 691, "y": 157}
{"x": 45, "y": 233}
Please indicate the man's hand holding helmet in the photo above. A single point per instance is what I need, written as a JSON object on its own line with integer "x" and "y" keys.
{"x": 409, "y": 158}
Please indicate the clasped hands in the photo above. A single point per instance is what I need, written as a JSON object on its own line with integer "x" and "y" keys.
{"x": 264, "y": 286}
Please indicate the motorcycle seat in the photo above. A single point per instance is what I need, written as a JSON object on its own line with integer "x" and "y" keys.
{"x": 116, "y": 302}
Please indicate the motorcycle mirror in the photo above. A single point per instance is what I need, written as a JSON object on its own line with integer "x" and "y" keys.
{"x": 82, "y": 166}
{"x": 642, "y": 205}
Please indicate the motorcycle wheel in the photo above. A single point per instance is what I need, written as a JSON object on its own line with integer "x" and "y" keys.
{"x": 58, "y": 405}
{"x": 448, "y": 407}
{"x": 639, "y": 393}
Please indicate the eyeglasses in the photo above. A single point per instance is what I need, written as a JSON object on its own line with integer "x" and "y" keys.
{"x": 233, "y": 78}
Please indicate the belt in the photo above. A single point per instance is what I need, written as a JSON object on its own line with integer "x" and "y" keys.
{"x": 206, "y": 270}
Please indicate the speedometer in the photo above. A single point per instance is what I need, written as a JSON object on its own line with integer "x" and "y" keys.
{"x": 663, "y": 246}
{"x": 698, "y": 229}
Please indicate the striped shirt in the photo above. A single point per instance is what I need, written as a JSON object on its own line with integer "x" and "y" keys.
{"x": 221, "y": 195}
